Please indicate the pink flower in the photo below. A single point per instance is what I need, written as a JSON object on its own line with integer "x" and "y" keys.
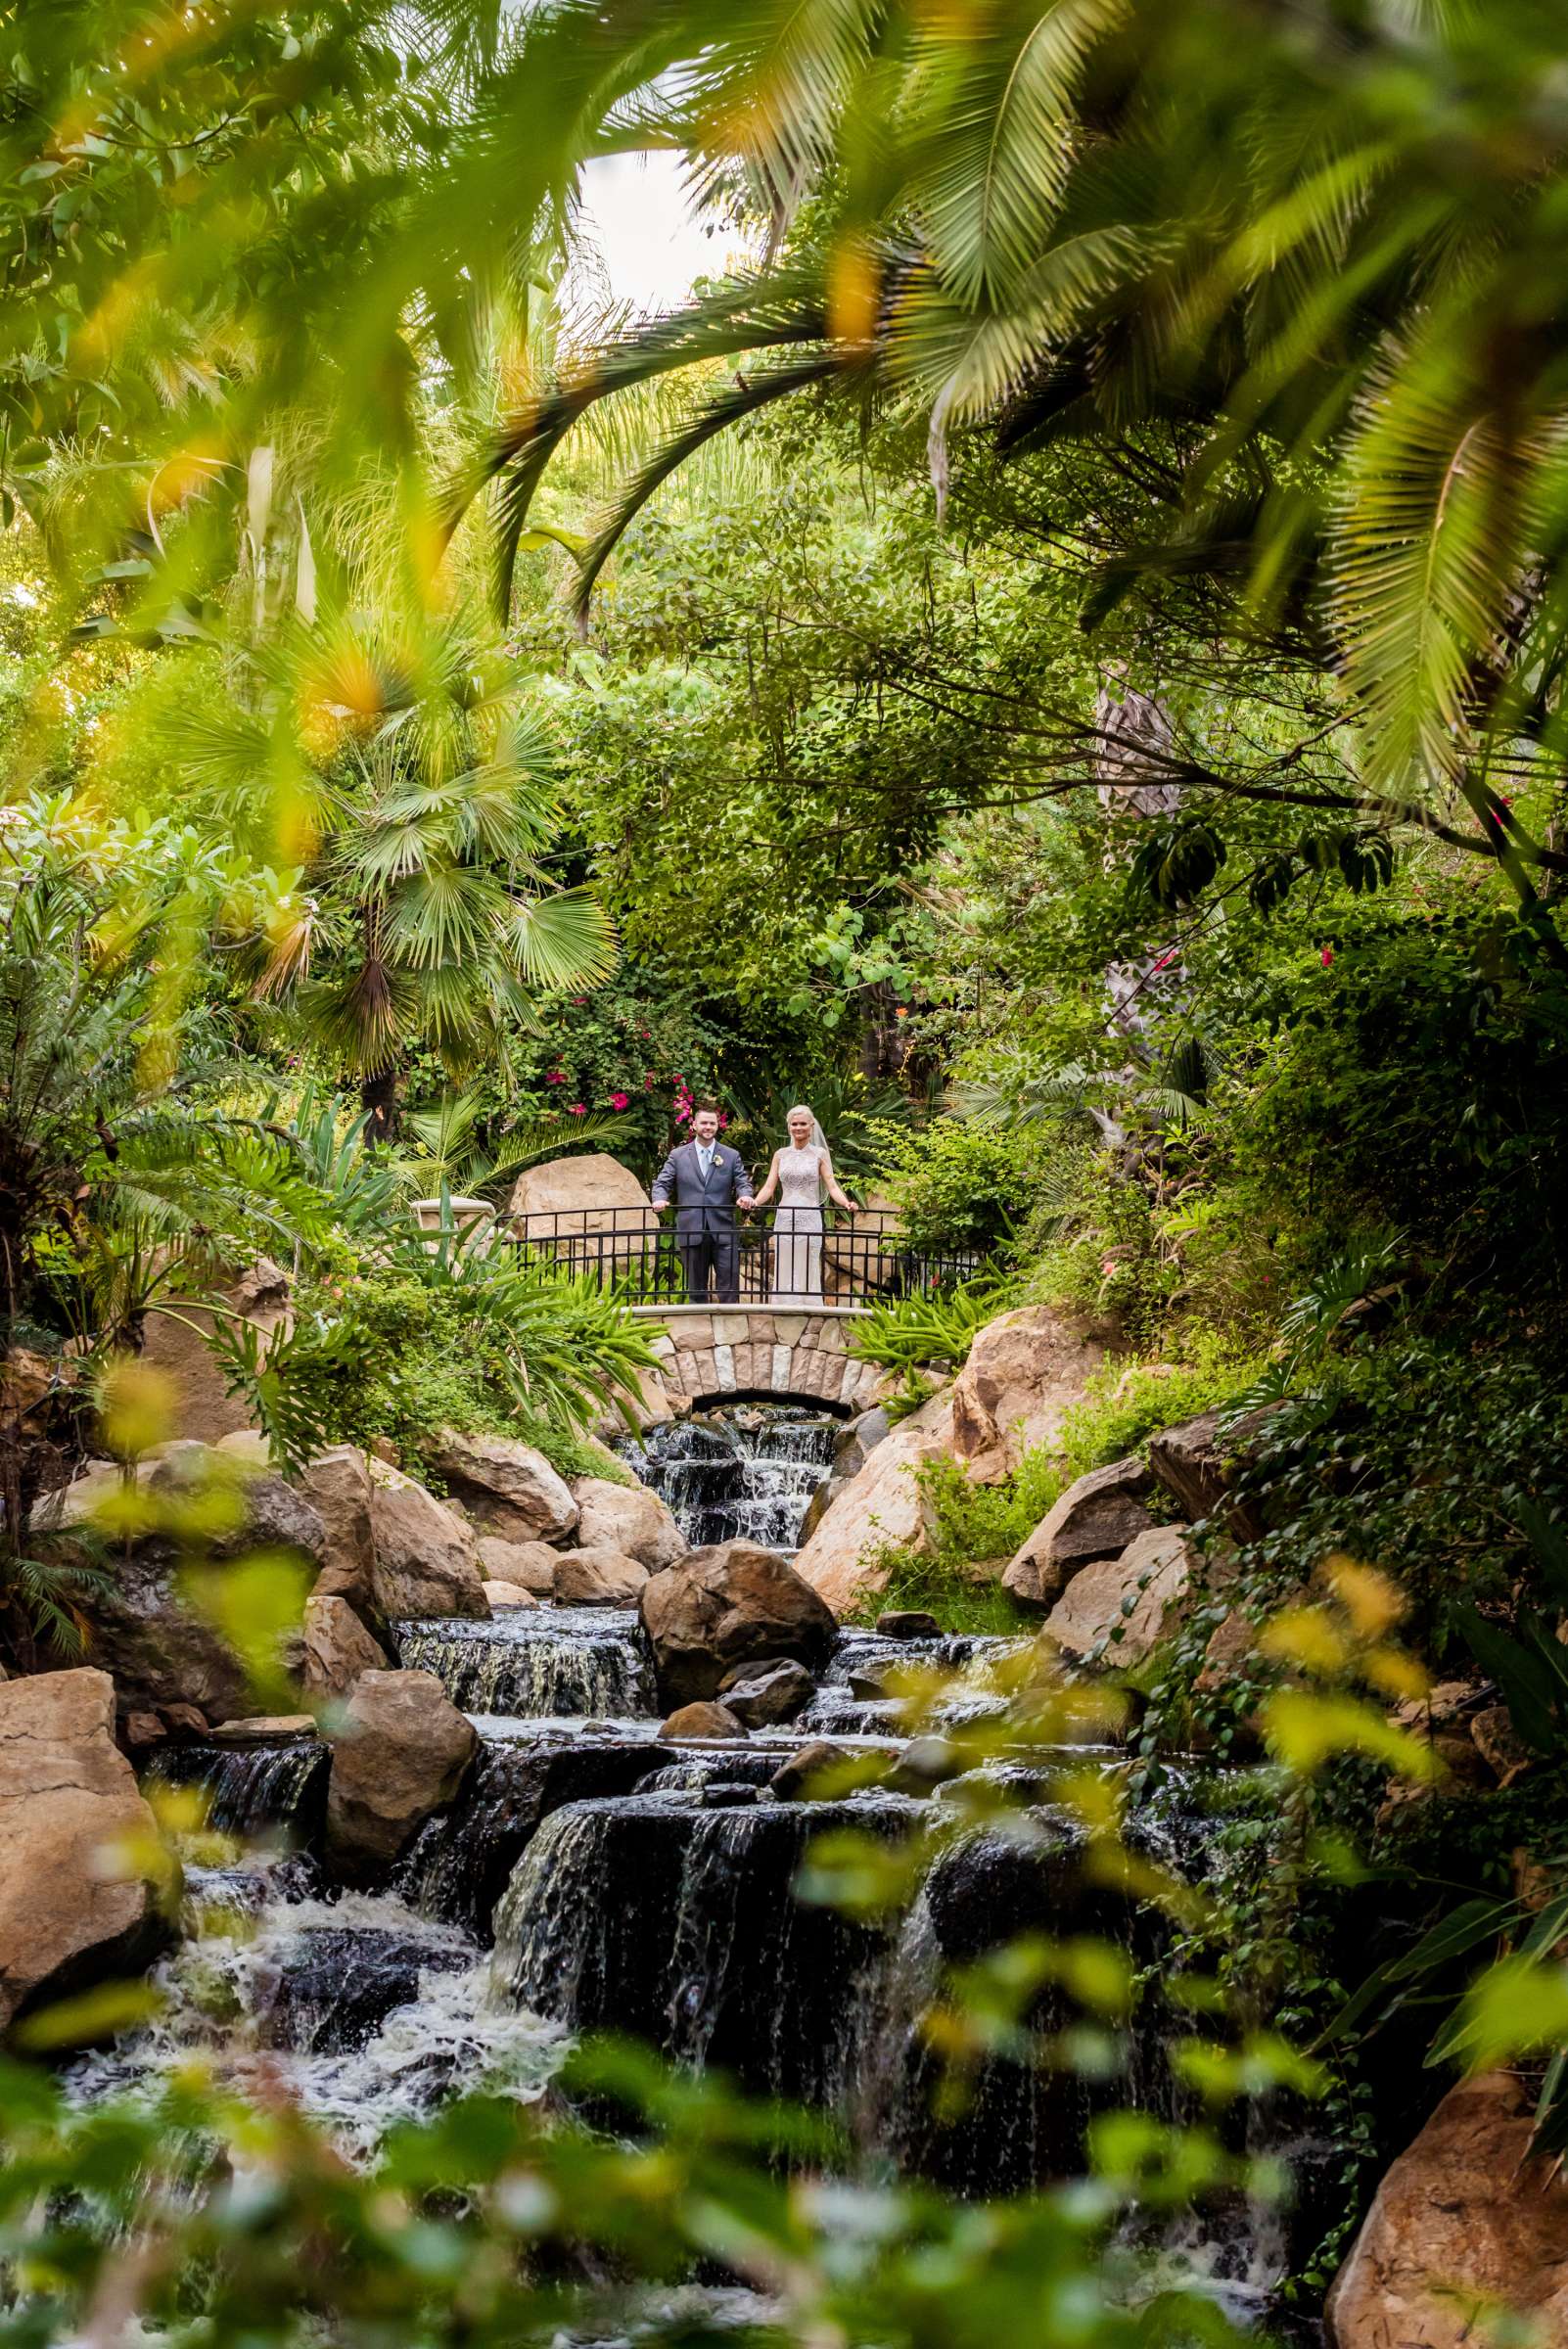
{"x": 620, "y": 1100}
{"x": 555, "y": 1076}
{"x": 645, "y": 1033}
{"x": 1326, "y": 956}
{"x": 724, "y": 1117}
{"x": 647, "y": 1084}
{"x": 579, "y": 1000}
{"x": 681, "y": 1115}
{"x": 1165, "y": 961}
{"x": 579, "y": 1109}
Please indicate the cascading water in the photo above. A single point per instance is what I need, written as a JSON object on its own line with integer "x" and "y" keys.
{"x": 250, "y": 1789}
{"x": 537, "y": 1663}
{"x": 745, "y": 1474}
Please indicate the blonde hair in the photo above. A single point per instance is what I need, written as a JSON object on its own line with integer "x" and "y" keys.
{"x": 799, "y": 1111}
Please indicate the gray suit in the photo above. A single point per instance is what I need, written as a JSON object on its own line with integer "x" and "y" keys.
{"x": 705, "y": 1217}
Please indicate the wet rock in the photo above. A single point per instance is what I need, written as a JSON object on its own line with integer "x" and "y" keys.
{"x": 264, "y": 1728}
{"x": 1464, "y": 2217}
{"x": 510, "y": 1489}
{"x": 909, "y": 1622}
{"x": 701, "y": 1719}
{"x": 426, "y": 1564}
{"x": 1024, "y": 1371}
{"x": 67, "y": 1798}
{"x": 332, "y": 1988}
{"x": 763, "y": 1699}
{"x": 1096, "y": 1517}
{"x": 1197, "y": 1466}
{"x": 401, "y": 1753}
{"x": 723, "y": 1794}
{"x": 503, "y": 1596}
{"x": 335, "y": 1648}
{"x": 923, "y": 1763}
{"x": 883, "y": 1504}
{"x": 530, "y": 1565}
{"x": 858, "y": 1441}
{"x": 1117, "y": 1611}
{"x": 627, "y": 1518}
{"x": 598, "y": 1577}
{"x": 337, "y": 1485}
{"x": 793, "y": 1781}
{"x": 726, "y": 1605}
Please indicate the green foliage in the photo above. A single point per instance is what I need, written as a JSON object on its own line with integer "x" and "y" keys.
{"x": 959, "y": 1188}
{"x": 941, "y": 1584}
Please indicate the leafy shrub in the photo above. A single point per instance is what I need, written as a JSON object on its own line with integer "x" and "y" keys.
{"x": 958, "y": 1187}
{"x": 1124, "y": 1404}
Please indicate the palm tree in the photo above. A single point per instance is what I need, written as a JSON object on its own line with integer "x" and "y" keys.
{"x": 423, "y": 910}
{"x": 1306, "y": 272}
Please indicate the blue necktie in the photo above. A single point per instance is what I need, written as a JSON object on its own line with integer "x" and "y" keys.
{"x": 705, "y": 1159}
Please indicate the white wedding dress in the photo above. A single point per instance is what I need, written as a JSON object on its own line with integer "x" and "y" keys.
{"x": 798, "y": 1228}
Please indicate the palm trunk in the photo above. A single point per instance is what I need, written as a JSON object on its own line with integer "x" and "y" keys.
{"x": 378, "y": 1099}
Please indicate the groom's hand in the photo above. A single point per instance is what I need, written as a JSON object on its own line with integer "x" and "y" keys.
{"x": 746, "y": 1206}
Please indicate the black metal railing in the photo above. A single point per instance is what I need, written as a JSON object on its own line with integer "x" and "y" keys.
{"x": 862, "y": 1259}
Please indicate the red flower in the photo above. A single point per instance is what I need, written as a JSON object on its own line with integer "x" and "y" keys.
{"x": 579, "y": 1109}
{"x": 647, "y": 1084}
{"x": 1326, "y": 956}
{"x": 620, "y": 1100}
{"x": 555, "y": 1076}
{"x": 579, "y": 1000}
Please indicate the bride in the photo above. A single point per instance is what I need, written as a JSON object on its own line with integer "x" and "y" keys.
{"x": 802, "y": 1173}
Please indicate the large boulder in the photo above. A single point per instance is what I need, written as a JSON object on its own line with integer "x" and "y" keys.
{"x": 1117, "y": 1611}
{"x": 724, "y": 1605}
{"x": 882, "y": 1504}
{"x": 599, "y": 1578}
{"x": 335, "y": 1648}
{"x": 401, "y": 1752}
{"x": 1465, "y": 2219}
{"x": 178, "y": 1346}
{"x": 1024, "y": 1371}
{"x": 1096, "y": 1517}
{"x": 426, "y": 1560}
{"x": 268, "y": 1513}
{"x": 530, "y": 1565}
{"x": 510, "y": 1489}
{"x": 628, "y": 1518}
{"x": 337, "y": 1485}
{"x": 592, "y": 1211}
{"x": 1196, "y": 1464}
{"x": 769, "y": 1693}
{"x": 701, "y": 1720}
{"x": 68, "y": 1915}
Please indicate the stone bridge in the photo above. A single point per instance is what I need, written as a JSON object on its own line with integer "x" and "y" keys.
{"x": 740, "y": 1352}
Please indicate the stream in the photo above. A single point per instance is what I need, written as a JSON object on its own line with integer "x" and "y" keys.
{"x": 589, "y": 1878}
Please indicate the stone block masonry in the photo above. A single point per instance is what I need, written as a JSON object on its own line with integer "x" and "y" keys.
{"x": 750, "y": 1350}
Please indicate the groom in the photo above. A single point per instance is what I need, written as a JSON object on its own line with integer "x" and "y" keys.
{"x": 707, "y": 1183}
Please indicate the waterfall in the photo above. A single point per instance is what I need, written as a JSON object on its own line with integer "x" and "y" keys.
{"x": 252, "y": 1790}
{"x": 537, "y": 1663}
{"x": 674, "y": 1920}
{"x": 364, "y": 2012}
{"x": 745, "y": 1474}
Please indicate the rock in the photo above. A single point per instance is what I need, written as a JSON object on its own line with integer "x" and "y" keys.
{"x": 763, "y": 1699}
{"x": 702, "y": 1721}
{"x": 818, "y": 1507}
{"x": 628, "y": 1518}
{"x": 923, "y": 1763}
{"x": 650, "y": 1405}
{"x": 335, "y": 1648}
{"x": 265, "y": 1728}
{"x": 598, "y": 1577}
{"x": 1024, "y": 1370}
{"x": 206, "y": 1410}
{"x": 337, "y": 1485}
{"x": 909, "y": 1622}
{"x": 162, "y": 1657}
{"x": 273, "y": 1514}
{"x": 530, "y": 1565}
{"x": 401, "y": 1753}
{"x": 1194, "y": 1464}
{"x": 1233, "y": 1639}
{"x": 426, "y": 1562}
{"x": 183, "y": 1720}
{"x": 67, "y": 1798}
{"x": 503, "y": 1596}
{"x": 591, "y": 1209}
{"x": 1130, "y": 1594}
{"x": 791, "y": 1781}
{"x": 249, "y": 1445}
{"x": 81, "y": 1501}
{"x": 858, "y": 1441}
{"x": 1463, "y": 2218}
{"x": 140, "y": 1733}
{"x": 882, "y": 1504}
{"x": 1096, "y": 1517}
{"x": 726, "y": 1605}
{"x": 511, "y": 1488}
{"x": 1500, "y": 1744}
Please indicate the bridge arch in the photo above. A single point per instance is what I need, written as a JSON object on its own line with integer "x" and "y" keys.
{"x": 751, "y": 1354}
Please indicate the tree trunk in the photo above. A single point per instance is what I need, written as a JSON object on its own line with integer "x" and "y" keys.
{"x": 378, "y": 1098}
